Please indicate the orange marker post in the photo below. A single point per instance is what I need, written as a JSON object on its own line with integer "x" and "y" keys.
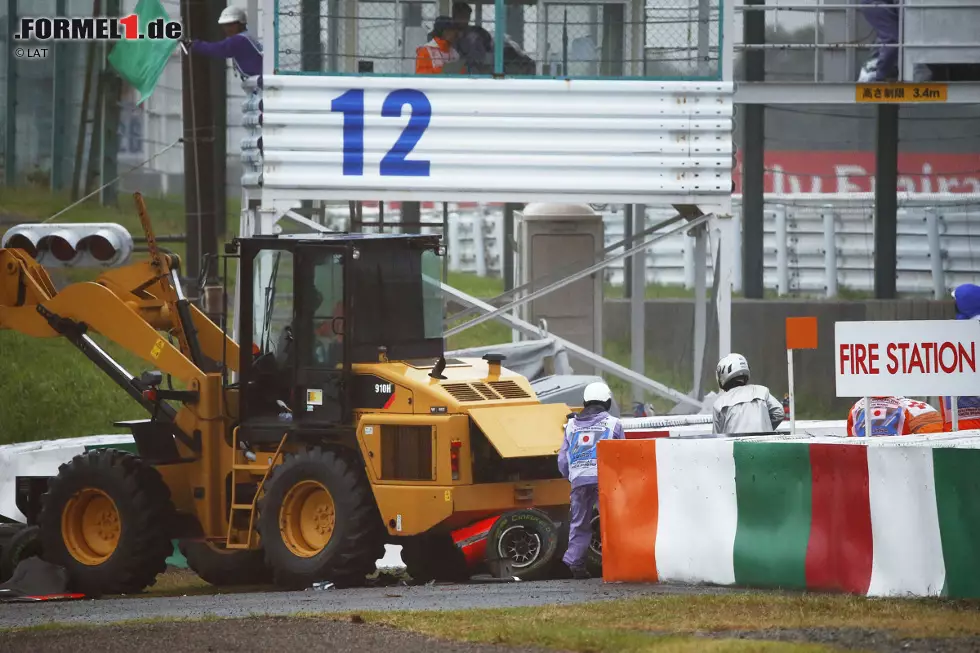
{"x": 801, "y": 333}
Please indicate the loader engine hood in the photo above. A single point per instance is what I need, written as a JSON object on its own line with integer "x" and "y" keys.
{"x": 501, "y": 404}
{"x": 522, "y": 431}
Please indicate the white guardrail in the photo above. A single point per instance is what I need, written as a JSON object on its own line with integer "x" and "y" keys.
{"x": 814, "y": 244}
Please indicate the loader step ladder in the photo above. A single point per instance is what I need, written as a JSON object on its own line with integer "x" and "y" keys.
{"x": 252, "y": 468}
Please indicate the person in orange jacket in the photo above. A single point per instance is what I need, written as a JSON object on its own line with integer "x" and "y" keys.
{"x": 431, "y": 58}
{"x": 894, "y": 416}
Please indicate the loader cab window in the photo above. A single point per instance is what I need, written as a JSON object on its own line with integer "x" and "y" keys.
{"x": 400, "y": 280}
{"x": 432, "y": 304}
{"x": 272, "y": 313}
{"x": 328, "y": 311}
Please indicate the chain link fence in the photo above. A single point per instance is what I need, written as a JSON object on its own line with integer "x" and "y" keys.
{"x": 670, "y": 39}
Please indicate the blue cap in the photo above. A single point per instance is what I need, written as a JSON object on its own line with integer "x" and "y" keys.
{"x": 967, "y": 298}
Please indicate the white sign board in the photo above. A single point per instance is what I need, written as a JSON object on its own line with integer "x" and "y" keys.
{"x": 911, "y": 358}
{"x": 430, "y": 138}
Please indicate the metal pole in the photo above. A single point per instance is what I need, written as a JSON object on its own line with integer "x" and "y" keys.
{"x": 77, "y": 170}
{"x": 867, "y": 417}
{"x": 638, "y": 305}
{"x": 411, "y": 217}
{"x": 628, "y": 263}
{"x": 507, "y": 247}
{"x": 61, "y": 92}
{"x": 572, "y": 267}
{"x": 111, "y": 97}
{"x": 575, "y": 277}
{"x": 704, "y": 37}
{"x": 700, "y": 304}
{"x": 792, "y": 392}
{"x": 753, "y": 158}
{"x": 886, "y": 202}
{"x": 579, "y": 352}
{"x": 782, "y": 256}
{"x": 10, "y": 131}
{"x": 830, "y": 249}
{"x": 199, "y": 143}
{"x": 935, "y": 254}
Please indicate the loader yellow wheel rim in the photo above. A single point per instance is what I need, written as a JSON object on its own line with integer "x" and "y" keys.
{"x": 90, "y": 526}
{"x": 307, "y": 518}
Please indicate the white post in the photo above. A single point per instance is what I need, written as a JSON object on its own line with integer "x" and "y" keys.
{"x": 723, "y": 226}
{"x": 782, "y": 257}
{"x": 268, "y": 35}
{"x": 867, "y": 417}
{"x": 935, "y": 254}
{"x": 700, "y": 303}
{"x": 954, "y": 403}
{"x": 479, "y": 244}
{"x": 792, "y": 393}
{"x": 638, "y": 303}
{"x": 830, "y": 249}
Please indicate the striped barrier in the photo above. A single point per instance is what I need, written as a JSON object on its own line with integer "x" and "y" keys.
{"x": 881, "y": 517}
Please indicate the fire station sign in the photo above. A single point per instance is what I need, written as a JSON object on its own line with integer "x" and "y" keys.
{"x": 916, "y": 357}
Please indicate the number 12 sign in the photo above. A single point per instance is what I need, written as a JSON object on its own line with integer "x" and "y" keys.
{"x": 396, "y": 162}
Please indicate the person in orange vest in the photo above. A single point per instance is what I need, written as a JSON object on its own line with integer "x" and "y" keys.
{"x": 431, "y": 58}
{"x": 894, "y": 416}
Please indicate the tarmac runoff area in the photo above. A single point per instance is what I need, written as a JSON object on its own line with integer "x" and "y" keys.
{"x": 384, "y": 599}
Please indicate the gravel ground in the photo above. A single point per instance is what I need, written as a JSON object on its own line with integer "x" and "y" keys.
{"x": 859, "y": 638}
{"x": 436, "y": 597}
{"x": 259, "y": 634}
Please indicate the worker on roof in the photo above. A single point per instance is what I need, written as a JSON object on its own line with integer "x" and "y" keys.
{"x": 893, "y": 416}
{"x": 967, "y": 299}
{"x": 239, "y": 44}
{"x": 577, "y": 462}
{"x": 743, "y": 407}
{"x": 433, "y": 57}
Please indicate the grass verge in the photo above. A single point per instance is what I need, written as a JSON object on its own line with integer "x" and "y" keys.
{"x": 627, "y": 625}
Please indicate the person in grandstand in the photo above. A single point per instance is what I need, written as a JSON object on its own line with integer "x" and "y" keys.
{"x": 240, "y": 45}
{"x": 439, "y": 55}
{"x": 743, "y": 407}
{"x": 967, "y": 299}
{"x": 577, "y": 461}
{"x": 893, "y": 416}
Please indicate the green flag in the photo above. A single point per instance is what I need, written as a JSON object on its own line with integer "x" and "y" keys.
{"x": 141, "y": 62}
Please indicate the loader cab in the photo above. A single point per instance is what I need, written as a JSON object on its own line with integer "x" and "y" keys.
{"x": 317, "y": 304}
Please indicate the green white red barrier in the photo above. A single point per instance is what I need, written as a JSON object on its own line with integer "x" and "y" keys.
{"x": 879, "y": 517}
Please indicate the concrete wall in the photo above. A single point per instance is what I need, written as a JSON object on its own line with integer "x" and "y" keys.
{"x": 758, "y": 332}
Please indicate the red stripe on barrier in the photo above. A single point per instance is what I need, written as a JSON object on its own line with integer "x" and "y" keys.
{"x": 629, "y": 509}
{"x": 840, "y": 548}
{"x": 645, "y": 435}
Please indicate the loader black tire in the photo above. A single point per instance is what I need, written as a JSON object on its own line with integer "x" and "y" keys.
{"x": 434, "y": 557}
{"x": 345, "y": 538}
{"x": 525, "y": 541}
{"x": 115, "y": 495}
{"x": 225, "y": 567}
{"x": 24, "y": 543}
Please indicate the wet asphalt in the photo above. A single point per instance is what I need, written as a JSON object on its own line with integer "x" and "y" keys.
{"x": 384, "y": 599}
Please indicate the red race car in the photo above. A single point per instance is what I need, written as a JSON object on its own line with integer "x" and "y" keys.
{"x": 527, "y": 544}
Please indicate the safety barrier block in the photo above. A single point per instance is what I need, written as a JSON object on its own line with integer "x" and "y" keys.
{"x": 877, "y": 517}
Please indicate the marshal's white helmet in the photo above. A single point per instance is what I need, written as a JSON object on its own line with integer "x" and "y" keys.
{"x": 731, "y": 367}
{"x": 597, "y": 391}
{"x": 232, "y": 15}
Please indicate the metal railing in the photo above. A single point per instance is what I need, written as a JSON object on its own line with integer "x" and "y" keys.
{"x": 815, "y": 245}
{"x": 828, "y": 38}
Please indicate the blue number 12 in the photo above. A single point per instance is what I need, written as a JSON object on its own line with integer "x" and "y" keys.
{"x": 395, "y": 163}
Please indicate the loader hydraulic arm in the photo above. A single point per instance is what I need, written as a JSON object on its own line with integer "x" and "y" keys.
{"x": 129, "y": 305}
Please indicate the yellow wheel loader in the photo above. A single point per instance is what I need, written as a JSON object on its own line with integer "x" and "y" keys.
{"x": 343, "y": 428}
